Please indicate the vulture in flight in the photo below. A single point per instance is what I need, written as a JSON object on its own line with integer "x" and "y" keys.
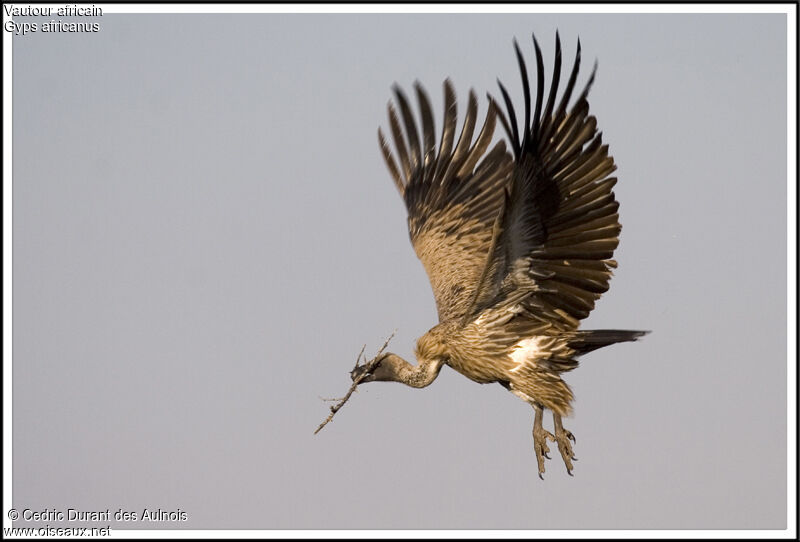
{"x": 517, "y": 241}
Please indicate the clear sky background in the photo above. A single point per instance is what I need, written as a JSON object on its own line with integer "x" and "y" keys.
{"x": 205, "y": 234}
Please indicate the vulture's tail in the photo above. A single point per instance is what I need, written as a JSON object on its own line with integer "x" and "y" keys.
{"x": 586, "y": 341}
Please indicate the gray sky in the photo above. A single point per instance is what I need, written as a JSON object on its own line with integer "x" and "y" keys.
{"x": 205, "y": 235}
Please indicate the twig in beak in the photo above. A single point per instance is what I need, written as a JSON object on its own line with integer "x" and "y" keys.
{"x": 367, "y": 369}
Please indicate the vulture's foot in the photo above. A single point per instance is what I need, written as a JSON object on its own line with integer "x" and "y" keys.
{"x": 563, "y": 438}
{"x": 540, "y": 437}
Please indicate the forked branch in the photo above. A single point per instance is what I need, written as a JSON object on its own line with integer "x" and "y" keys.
{"x": 367, "y": 369}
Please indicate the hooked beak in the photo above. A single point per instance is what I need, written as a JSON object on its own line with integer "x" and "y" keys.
{"x": 358, "y": 371}
{"x": 362, "y": 372}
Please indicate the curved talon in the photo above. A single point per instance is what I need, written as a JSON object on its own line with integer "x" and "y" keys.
{"x": 542, "y": 451}
{"x": 566, "y": 453}
{"x": 540, "y": 438}
{"x": 564, "y": 438}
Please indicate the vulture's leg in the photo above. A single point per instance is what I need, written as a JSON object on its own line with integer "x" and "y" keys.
{"x": 540, "y": 436}
{"x": 563, "y": 438}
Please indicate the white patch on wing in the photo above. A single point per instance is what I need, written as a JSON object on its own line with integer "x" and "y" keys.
{"x": 481, "y": 319}
{"x": 527, "y": 351}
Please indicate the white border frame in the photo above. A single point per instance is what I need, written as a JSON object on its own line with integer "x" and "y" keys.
{"x": 791, "y": 126}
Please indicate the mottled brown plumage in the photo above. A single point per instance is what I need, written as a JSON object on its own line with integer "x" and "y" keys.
{"x": 517, "y": 245}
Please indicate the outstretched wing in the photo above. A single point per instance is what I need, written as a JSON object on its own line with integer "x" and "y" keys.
{"x": 559, "y": 225}
{"x": 452, "y": 201}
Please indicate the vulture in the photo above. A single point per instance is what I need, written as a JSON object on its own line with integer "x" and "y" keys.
{"x": 517, "y": 239}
